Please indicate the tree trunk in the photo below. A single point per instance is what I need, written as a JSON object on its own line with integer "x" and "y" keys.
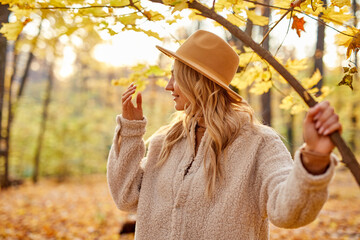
{"x": 43, "y": 124}
{"x": 319, "y": 51}
{"x": 24, "y": 78}
{"x": 240, "y": 45}
{"x": 354, "y": 105}
{"x": 266, "y": 97}
{"x": 4, "y": 168}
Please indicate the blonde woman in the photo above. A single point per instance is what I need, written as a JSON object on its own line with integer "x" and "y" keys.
{"x": 216, "y": 173}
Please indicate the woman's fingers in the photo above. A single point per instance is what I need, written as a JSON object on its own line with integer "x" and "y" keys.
{"x": 139, "y": 101}
{"x": 325, "y": 115}
{"x": 332, "y": 119}
{"x": 127, "y": 102}
{"x": 130, "y": 91}
{"x": 313, "y": 113}
{"x": 333, "y": 128}
{"x": 325, "y": 119}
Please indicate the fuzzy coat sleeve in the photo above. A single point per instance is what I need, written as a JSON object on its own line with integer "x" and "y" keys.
{"x": 124, "y": 173}
{"x": 290, "y": 196}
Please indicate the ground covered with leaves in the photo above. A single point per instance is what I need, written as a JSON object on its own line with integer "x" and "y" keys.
{"x": 83, "y": 209}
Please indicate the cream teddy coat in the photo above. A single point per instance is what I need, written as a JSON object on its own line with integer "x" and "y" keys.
{"x": 261, "y": 183}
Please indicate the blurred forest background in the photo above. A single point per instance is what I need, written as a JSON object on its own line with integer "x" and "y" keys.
{"x": 58, "y": 109}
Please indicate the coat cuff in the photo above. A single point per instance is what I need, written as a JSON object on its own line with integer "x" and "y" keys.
{"x": 131, "y": 128}
{"x": 313, "y": 181}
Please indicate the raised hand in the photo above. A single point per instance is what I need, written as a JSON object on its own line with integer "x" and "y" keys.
{"x": 131, "y": 112}
{"x": 319, "y": 123}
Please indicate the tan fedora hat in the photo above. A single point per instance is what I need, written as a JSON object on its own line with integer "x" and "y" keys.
{"x": 211, "y": 56}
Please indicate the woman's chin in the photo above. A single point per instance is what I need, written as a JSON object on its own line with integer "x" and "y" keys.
{"x": 178, "y": 108}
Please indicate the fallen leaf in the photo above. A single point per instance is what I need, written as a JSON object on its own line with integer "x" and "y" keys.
{"x": 298, "y": 24}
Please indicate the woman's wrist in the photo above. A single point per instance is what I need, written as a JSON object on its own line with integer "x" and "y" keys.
{"x": 314, "y": 162}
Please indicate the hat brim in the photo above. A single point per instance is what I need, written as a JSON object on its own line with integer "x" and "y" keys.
{"x": 201, "y": 70}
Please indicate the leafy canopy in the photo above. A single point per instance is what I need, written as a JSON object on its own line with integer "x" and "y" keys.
{"x": 115, "y": 16}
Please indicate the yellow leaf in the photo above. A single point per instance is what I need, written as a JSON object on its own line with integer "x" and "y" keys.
{"x": 119, "y": 3}
{"x": 256, "y": 19}
{"x": 155, "y": 70}
{"x": 174, "y": 20}
{"x": 129, "y": 19}
{"x": 220, "y": 5}
{"x": 261, "y": 87}
{"x": 266, "y": 76}
{"x": 20, "y": 13}
{"x": 195, "y": 15}
{"x": 297, "y": 108}
{"x": 169, "y": 2}
{"x": 241, "y": 6}
{"x": 341, "y": 3}
{"x": 347, "y": 80}
{"x": 336, "y": 15}
{"x": 161, "y": 82}
{"x": 239, "y": 81}
{"x": 12, "y": 30}
{"x": 282, "y": 4}
{"x": 96, "y": 12}
{"x": 295, "y": 65}
{"x": 155, "y": 16}
{"x": 111, "y": 32}
{"x": 236, "y": 20}
{"x": 354, "y": 45}
{"x": 310, "y": 82}
{"x": 343, "y": 40}
{"x": 139, "y": 67}
{"x": 180, "y": 6}
{"x": 244, "y": 79}
{"x": 287, "y": 102}
{"x": 121, "y": 82}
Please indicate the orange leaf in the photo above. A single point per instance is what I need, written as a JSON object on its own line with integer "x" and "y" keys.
{"x": 298, "y": 24}
{"x": 354, "y": 45}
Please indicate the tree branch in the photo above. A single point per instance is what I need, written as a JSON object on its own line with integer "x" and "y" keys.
{"x": 77, "y": 8}
{"x": 132, "y": 4}
{"x": 302, "y": 12}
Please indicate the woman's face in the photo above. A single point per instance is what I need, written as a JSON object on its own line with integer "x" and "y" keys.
{"x": 179, "y": 98}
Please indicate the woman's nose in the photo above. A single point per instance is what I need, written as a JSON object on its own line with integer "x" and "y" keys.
{"x": 170, "y": 85}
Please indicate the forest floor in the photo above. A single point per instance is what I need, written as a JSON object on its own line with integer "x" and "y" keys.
{"x": 82, "y": 208}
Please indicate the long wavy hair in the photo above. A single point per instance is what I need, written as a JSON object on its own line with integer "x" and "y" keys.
{"x": 220, "y": 112}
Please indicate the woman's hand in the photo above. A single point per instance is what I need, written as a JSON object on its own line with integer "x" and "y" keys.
{"x": 319, "y": 123}
{"x": 130, "y": 112}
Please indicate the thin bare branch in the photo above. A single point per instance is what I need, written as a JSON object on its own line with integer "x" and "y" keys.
{"x": 266, "y": 5}
{"x": 287, "y": 32}
{"x": 305, "y": 13}
{"x": 77, "y": 8}
{"x": 322, "y": 22}
{"x": 268, "y": 32}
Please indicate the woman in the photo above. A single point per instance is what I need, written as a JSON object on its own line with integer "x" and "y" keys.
{"x": 215, "y": 173}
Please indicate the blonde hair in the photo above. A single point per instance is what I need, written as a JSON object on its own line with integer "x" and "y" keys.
{"x": 220, "y": 112}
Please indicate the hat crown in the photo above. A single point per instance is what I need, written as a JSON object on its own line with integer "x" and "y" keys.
{"x": 209, "y": 55}
{"x": 212, "y": 54}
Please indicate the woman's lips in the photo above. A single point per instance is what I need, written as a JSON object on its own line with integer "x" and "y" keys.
{"x": 175, "y": 96}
